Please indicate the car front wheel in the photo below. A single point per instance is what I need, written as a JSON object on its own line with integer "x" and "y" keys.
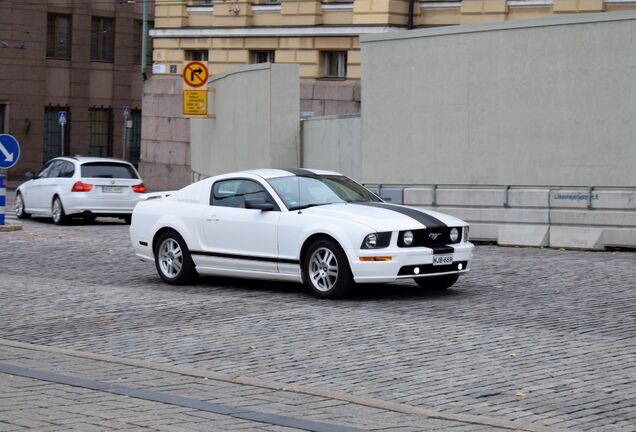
{"x": 326, "y": 270}
{"x": 19, "y": 207}
{"x": 57, "y": 211}
{"x": 437, "y": 283}
{"x": 172, "y": 259}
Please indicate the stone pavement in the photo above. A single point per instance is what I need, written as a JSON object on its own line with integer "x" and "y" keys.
{"x": 539, "y": 337}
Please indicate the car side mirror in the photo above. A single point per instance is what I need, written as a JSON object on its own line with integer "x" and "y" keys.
{"x": 29, "y": 175}
{"x": 258, "y": 204}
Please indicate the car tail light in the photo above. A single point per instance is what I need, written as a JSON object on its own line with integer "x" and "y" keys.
{"x": 81, "y": 187}
{"x": 140, "y": 188}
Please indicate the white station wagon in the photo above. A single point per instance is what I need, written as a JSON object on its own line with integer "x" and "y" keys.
{"x": 310, "y": 226}
{"x": 80, "y": 186}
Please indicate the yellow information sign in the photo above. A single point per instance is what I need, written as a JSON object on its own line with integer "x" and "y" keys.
{"x": 195, "y": 102}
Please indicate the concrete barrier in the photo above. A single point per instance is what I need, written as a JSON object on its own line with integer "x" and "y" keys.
{"x": 588, "y": 218}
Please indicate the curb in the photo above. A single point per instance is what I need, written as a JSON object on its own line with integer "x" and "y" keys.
{"x": 273, "y": 385}
{"x": 9, "y": 228}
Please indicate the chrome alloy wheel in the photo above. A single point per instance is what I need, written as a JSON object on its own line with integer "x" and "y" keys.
{"x": 323, "y": 269}
{"x": 19, "y": 206}
{"x": 170, "y": 258}
{"x": 57, "y": 210}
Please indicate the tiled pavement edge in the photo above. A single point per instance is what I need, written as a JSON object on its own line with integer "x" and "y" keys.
{"x": 47, "y": 404}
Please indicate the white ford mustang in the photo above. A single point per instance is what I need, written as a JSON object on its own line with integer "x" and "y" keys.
{"x": 317, "y": 227}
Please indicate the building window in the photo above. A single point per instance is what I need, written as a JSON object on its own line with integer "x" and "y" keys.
{"x": 135, "y": 137}
{"x": 196, "y": 55}
{"x": 138, "y": 34}
{"x": 262, "y": 56}
{"x": 100, "y": 132}
{"x": 200, "y": 2}
{"x": 334, "y": 64}
{"x": 58, "y": 36}
{"x": 53, "y": 133}
{"x": 102, "y": 39}
{"x": 3, "y": 113}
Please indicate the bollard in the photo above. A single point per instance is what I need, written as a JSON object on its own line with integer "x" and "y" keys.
{"x": 3, "y": 195}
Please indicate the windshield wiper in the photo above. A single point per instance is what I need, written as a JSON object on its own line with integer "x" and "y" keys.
{"x": 302, "y": 207}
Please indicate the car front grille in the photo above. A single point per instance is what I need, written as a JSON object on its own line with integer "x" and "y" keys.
{"x": 431, "y": 237}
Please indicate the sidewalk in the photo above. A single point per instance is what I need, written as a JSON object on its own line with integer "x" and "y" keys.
{"x": 49, "y": 391}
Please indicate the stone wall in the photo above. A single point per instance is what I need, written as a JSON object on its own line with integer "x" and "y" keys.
{"x": 165, "y": 136}
{"x": 327, "y": 98}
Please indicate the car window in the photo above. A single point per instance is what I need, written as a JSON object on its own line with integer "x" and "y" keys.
{"x": 232, "y": 193}
{"x": 54, "y": 171}
{"x": 306, "y": 191}
{"x": 108, "y": 170}
{"x": 67, "y": 170}
{"x": 43, "y": 173}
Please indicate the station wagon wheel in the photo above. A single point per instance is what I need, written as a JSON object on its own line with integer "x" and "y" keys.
{"x": 172, "y": 259}
{"x": 57, "y": 211}
{"x": 19, "y": 207}
{"x": 437, "y": 283}
{"x": 326, "y": 270}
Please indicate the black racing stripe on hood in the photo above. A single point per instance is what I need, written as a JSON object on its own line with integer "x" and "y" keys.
{"x": 427, "y": 220}
{"x": 299, "y": 172}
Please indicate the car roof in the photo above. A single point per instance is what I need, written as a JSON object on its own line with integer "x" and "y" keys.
{"x": 270, "y": 173}
{"x": 88, "y": 159}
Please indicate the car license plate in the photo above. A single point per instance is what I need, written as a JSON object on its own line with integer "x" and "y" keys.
{"x": 112, "y": 189}
{"x": 442, "y": 259}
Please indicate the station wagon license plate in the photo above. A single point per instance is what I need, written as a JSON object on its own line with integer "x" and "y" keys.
{"x": 112, "y": 189}
{"x": 442, "y": 259}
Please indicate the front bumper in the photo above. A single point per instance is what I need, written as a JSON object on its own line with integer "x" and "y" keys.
{"x": 407, "y": 263}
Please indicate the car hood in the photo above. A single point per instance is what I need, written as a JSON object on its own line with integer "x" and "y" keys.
{"x": 385, "y": 217}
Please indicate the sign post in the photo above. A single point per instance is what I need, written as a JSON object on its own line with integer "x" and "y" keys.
{"x": 124, "y": 141}
{"x": 61, "y": 119}
{"x": 9, "y": 155}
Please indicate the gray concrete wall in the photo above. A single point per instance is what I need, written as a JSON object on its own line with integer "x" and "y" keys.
{"x": 165, "y": 135}
{"x": 545, "y": 102}
{"x": 333, "y": 143}
{"x": 328, "y": 98}
{"x": 257, "y": 110}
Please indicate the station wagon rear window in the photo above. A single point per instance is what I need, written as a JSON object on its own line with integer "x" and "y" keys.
{"x": 108, "y": 170}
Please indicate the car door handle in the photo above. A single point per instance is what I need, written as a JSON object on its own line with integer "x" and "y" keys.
{"x": 212, "y": 218}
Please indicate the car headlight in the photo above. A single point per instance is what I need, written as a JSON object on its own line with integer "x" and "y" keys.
{"x": 371, "y": 241}
{"x": 407, "y": 238}
{"x": 465, "y": 239}
{"x": 454, "y": 235}
{"x": 376, "y": 240}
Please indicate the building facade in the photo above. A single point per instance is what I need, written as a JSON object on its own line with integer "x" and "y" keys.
{"x": 73, "y": 56}
{"x": 321, "y": 36}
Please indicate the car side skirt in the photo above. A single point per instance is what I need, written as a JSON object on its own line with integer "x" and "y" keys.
{"x": 248, "y": 274}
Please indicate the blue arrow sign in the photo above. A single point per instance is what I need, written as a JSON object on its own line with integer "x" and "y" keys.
{"x": 9, "y": 151}
{"x": 126, "y": 111}
{"x": 61, "y": 117}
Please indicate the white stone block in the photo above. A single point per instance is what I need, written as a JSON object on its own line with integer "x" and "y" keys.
{"x": 622, "y": 237}
{"x": 523, "y": 235}
{"x": 594, "y": 217}
{"x": 470, "y": 196}
{"x": 484, "y": 232}
{"x": 418, "y": 196}
{"x": 576, "y": 237}
{"x": 528, "y": 197}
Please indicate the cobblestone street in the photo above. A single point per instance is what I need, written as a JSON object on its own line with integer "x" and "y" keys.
{"x": 533, "y": 339}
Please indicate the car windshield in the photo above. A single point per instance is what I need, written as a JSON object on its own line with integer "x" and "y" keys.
{"x": 108, "y": 170}
{"x": 298, "y": 192}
